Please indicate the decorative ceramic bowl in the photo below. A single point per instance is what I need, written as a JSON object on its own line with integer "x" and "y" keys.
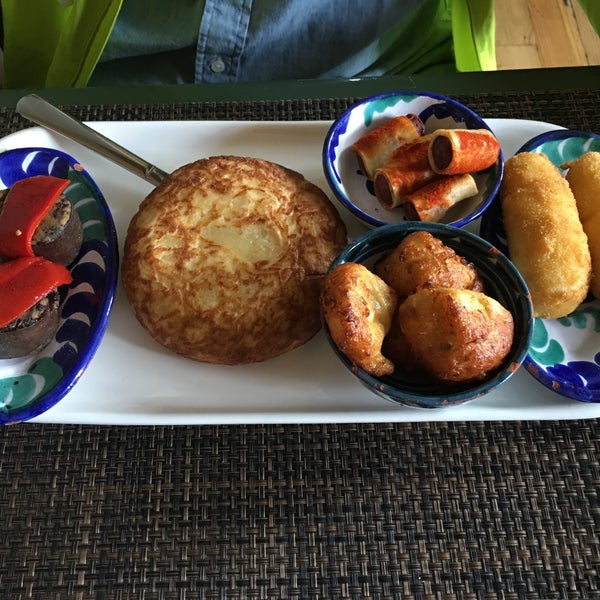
{"x": 565, "y": 353}
{"x": 355, "y": 191}
{"x": 502, "y": 282}
{"x": 32, "y": 384}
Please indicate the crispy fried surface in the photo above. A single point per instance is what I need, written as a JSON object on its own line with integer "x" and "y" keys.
{"x": 395, "y": 347}
{"x": 583, "y": 177}
{"x": 592, "y": 231}
{"x": 358, "y": 308}
{"x": 545, "y": 237}
{"x": 423, "y": 260}
{"x": 456, "y": 335}
{"x": 223, "y": 263}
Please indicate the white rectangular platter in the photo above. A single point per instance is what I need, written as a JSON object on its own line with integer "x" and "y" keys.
{"x": 132, "y": 380}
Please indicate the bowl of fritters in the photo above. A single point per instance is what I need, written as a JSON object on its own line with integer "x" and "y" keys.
{"x": 426, "y": 315}
{"x": 412, "y": 156}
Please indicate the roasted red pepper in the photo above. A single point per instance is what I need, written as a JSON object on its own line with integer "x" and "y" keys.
{"x": 25, "y": 205}
{"x": 25, "y": 281}
{"x": 12, "y": 268}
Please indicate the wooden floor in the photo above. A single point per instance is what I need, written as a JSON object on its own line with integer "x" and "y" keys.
{"x": 544, "y": 33}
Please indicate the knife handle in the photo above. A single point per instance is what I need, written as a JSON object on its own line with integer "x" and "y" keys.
{"x": 42, "y": 112}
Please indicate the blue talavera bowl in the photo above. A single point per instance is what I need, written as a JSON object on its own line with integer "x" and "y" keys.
{"x": 355, "y": 192}
{"x": 564, "y": 354}
{"x": 32, "y": 384}
{"x": 502, "y": 282}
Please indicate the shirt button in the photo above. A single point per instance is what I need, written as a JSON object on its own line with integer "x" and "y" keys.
{"x": 217, "y": 65}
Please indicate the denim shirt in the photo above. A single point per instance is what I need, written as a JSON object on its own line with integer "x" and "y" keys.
{"x": 264, "y": 40}
{"x": 257, "y": 41}
{"x": 128, "y": 42}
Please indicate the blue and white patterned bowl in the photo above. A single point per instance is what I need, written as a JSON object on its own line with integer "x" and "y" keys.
{"x": 31, "y": 385}
{"x": 565, "y": 353}
{"x": 353, "y": 189}
{"x": 502, "y": 281}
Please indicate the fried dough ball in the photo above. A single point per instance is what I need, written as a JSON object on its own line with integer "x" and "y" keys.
{"x": 422, "y": 260}
{"x": 458, "y": 336}
{"x": 358, "y": 308}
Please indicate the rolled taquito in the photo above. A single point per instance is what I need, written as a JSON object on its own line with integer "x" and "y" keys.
{"x": 454, "y": 151}
{"x": 406, "y": 170}
{"x": 432, "y": 201}
{"x": 374, "y": 148}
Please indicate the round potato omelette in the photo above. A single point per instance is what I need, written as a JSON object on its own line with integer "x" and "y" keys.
{"x": 224, "y": 260}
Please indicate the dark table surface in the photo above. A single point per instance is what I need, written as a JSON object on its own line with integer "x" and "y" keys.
{"x": 368, "y": 510}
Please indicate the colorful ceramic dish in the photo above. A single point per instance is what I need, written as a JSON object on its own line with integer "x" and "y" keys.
{"x": 355, "y": 191}
{"x": 32, "y": 384}
{"x": 565, "y": 353}
{"x": 502, "y": 282}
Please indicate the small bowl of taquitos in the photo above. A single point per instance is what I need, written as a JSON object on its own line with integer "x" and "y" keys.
{"x": 366, "y": 138}
{"x": 563, "y": 354}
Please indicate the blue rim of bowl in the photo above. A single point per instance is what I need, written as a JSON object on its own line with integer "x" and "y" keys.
{"x": 343, "y": 119}
{"x": 556, "y": 134}
{"x": 492, "y": 228}
{"x": 111, "y": 261}
{"x": 357, "y": 251}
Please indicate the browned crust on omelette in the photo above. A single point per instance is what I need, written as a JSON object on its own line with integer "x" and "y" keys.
{"x": 223, "y": 263}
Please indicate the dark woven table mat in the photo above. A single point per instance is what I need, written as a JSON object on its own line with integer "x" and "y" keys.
{"x": 424, "y": 510}
{"x": 575, "y": 110}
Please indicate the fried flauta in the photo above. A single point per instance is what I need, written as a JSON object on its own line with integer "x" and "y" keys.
{"x": 374, "y": 148}
{"x": 454, "y": 151}
{"x": 423, "y": 260}
{"x": 432, "y": 201}
{"x": 406, "y": 170}
{"x": 546, "y": 241}
{"x": 358, "y": 308}
{"x": 583, "y": 176}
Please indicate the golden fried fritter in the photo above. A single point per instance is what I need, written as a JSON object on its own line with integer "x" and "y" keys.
{"x": 546, "y": 240}
{"x": 422, "y": 260}
{"x": 457, "y": 335}
{"x": 583, "y": 177}
{"x": 358, "y": 308}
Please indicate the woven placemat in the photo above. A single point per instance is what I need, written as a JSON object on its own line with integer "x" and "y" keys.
{"x": 376, "y": 511}
{"x": 475, "y": 510}
{"x": 574, "y": 110}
